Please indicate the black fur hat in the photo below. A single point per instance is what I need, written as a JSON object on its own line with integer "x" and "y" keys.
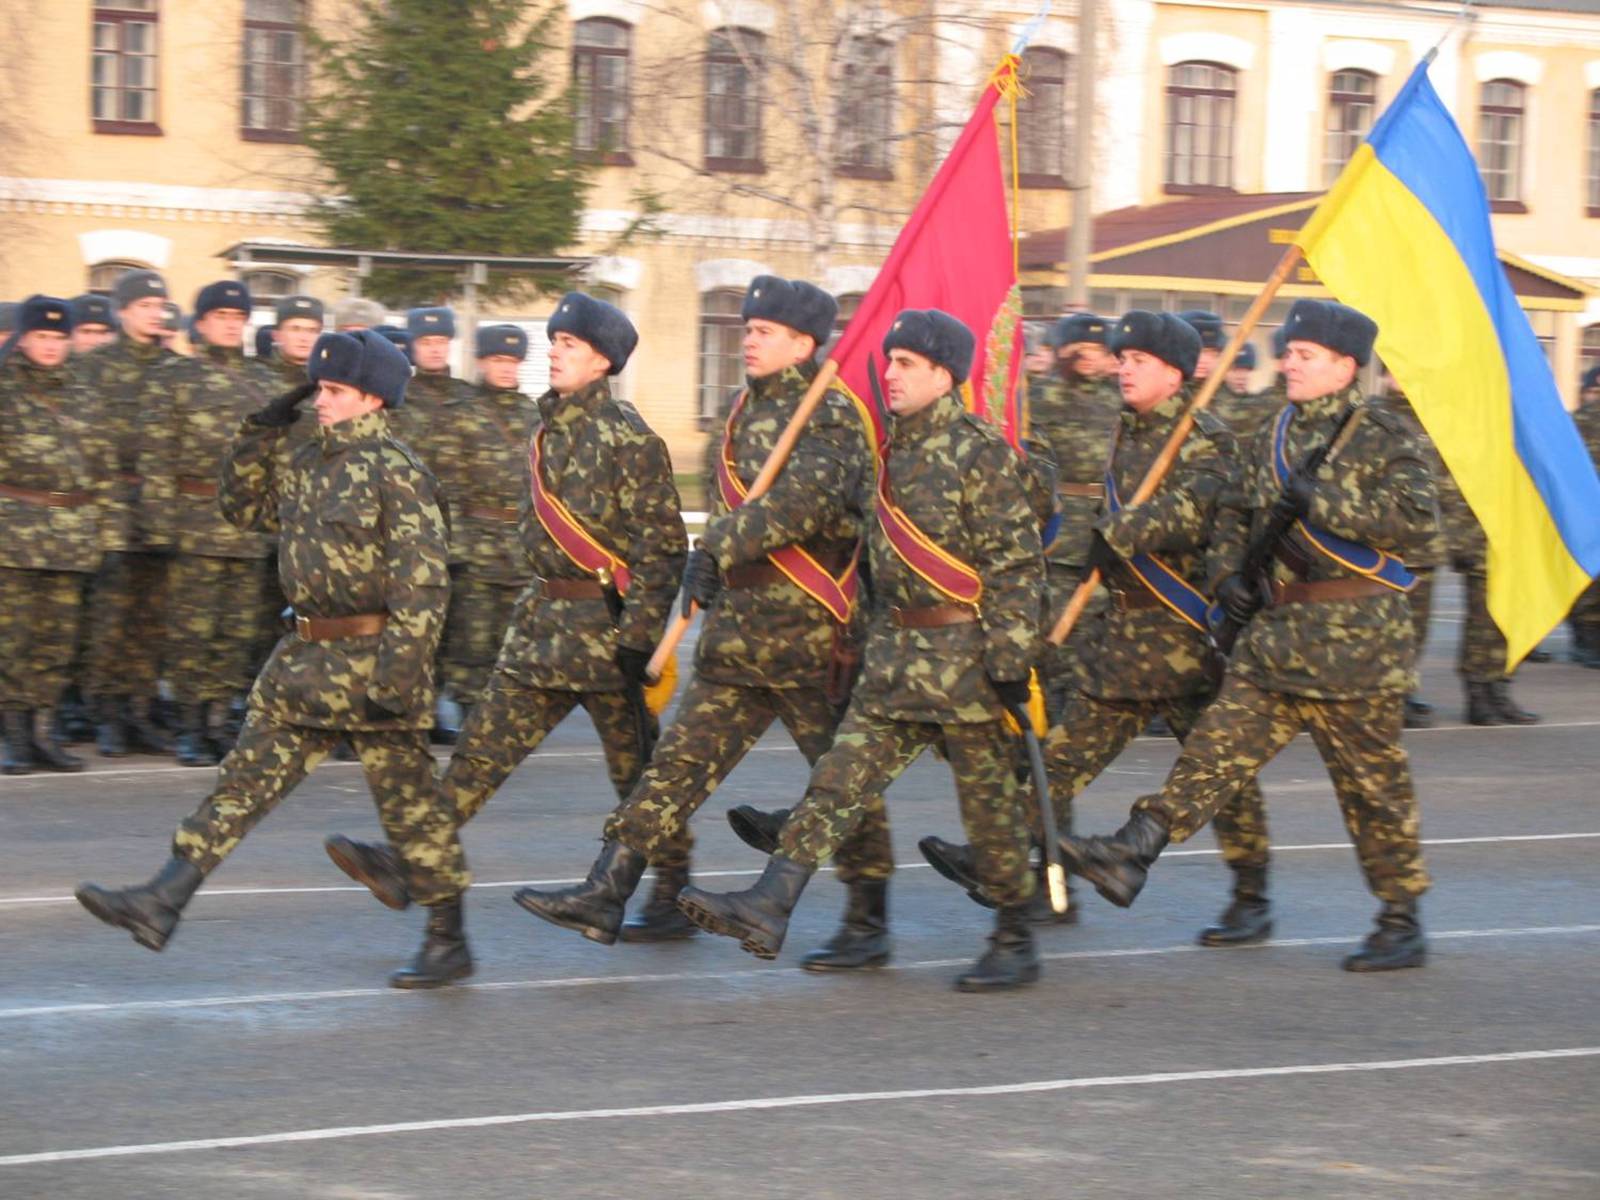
{"x": 431, "y": 322}
{"x": 136, "y": 285}
{"x": 1339, "y": 327}
{"x": 604, "y": 326}
{"x": 44, "y": 312}
{"x": 364, "y": 359}
{"x": 225, "y": 293}
{"x": 800, "y": 305}
{"x": 300, "y": 307}
{"x": 505, "y": 340}
{"x": 90, "y": 309}
{"x": 1208, "y": 325}
{"x": 1170, "y": 338}
{"x": 935, "y": 335}
{"x": 1079, "y": 327}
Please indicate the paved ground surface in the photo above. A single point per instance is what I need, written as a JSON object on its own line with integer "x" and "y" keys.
{"x": 262, "y": 1055}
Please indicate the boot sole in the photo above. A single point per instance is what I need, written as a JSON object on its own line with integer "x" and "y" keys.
{"x": 751, "y": 834}
{"x": 423, "y": 983}
{"x": 816, "y": 967}
{"x": 606, "y": 937}
{"x": 713, "y": 923}
{"x": 1027, "y": 977}
{"x": 384, "y": 891}
{"x": 1223, "y": 941}
{"x": 1358, "y": 966}
{"x": 635, "y": 935}
{"x": 149, "y": 938}
{"x": 1116, "y": 894}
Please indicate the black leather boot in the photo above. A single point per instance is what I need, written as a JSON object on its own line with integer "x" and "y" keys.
{"x": 1419, "y": 713}
{"x": 17, "y": 758}
{"x": 1507, "y": 709}
{"x": 1039, "y": 910}
{"x": 594, "y": 907}
{"x": 221, "y": 730}
{"x": 48, "y": 752}
{"x": 111, "y": 730}
{"x": 1481, "y": 708}
{"x": 1249, "y": 918}
{"x": 376, "y": 867}
{"x": 1117, "y": 865}
{"x": 143, "y": 733}
{"x": 660, "y": 920}
{"x": 150, "y": 912}
{"x": 1012, "y": 959}
{"x": 1396, "y": 943}
{"x": 862, "y": 939}
{"x": 194, "y": 749}
{"x": 759, "y": 916}
{"x": 74, "y": 717}
{"x": 953, "y": 860}
{"x": 757, "y": 829}
{"x": 1585, "y": 644}
{"x": 443, "y": 956}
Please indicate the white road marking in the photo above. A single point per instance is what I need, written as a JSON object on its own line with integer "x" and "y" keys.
{"x": 768, "y": 1103}
{"x": 584, "y": 981}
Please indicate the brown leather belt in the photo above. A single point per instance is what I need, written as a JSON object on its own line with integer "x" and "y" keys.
{"x": 193, "y": 485}
{"x": 760, "y": 574}
{"x": 46, "y": 499}
{"x": 1129, "y": 601}
{"x": 935, "y": 616}
{"x": 483, "y": 512}
{"x": 1320, "y": 590}
{"x": 336, "y": 629}
{"x": 128, "y": 477}
{"x": 1092, "y": 490}
{"x": 573, "y": 589}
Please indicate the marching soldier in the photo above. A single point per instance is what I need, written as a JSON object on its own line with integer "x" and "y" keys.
{"x": 363, "y": 558}
{"x": 1584, "y": 620}
{"x": 93, "y": 324}
{"x": 211, "y": 635}
{"x": 604, "y": 536}
{"x": 776, "y": 578}
{"x": 953, "y": 631}
{"x": 52, "y": 481}
{"x": 1329, "y": 647}
{"x": 356, "y": 312}
{"x": 1240, "y": 409}
{"x": 121, "y": 382}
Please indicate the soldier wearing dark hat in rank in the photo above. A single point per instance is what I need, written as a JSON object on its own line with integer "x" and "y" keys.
{"x": 211, "y": 631}
{"x": 93, "y": 323}
{"x": 1584, "y": 620}
{"x": 953, "y": 630}
{"x": 122, "y": 382}
{"x": 602, "y": 533}
{"x": 298, "y": 326}
{"x": 362, "y": 552}
{"x": 54, "y": 488}
{"x": 1146, "y": 653}
{"x": 1242, "y": 410}
{"x": 1328, "y": 646}
{"x": 776, "y": 578}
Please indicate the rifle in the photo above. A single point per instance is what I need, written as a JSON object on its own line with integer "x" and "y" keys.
{"x": 646, "y": 729}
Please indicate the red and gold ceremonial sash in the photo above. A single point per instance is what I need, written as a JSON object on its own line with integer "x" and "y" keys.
{"x": 576, "y": 542}
{"x": 837, "y": 595}
{"x": 921, "y": 553}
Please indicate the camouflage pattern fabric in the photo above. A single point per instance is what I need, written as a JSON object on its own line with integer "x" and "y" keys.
{"x": 1481, "y": 652}
{"x": 474, "y": 630}
{"x": 272, "y": 756}
{"x": 126, "y": 600}
{"x": 1244, "y": 413}
{"x": 1420, "y": 600}
{"x": 1359, "y": 740}
{"x": 40, "y": 613}
{"x": 286, "y": 376}
{"x": 213, "y": 631}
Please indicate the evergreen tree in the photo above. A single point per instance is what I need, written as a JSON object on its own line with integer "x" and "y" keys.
{"x": 440, "y": 130}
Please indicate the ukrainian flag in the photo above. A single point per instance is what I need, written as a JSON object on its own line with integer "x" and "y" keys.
{"x": 1404, "y": 236}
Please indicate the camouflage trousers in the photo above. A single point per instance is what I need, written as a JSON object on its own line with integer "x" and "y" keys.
{"x": 1420, "y": 598}
{"x": 271, "y": 758}
{"x": 508, "y": 724}
{"x": 1058, "y": 669}
{"x": 39, "y": 616}
{"x": 1481, "y": 654}
{"x": 869, "y": 753}
{"x": 270, "y": 627}
{"x": 715, "y": 727}
{"x": 1586, "y": 608}
{"x": 1359, "y": 740}
{"x": 475, "y": 625}
{"x": 1093, "y": 732}
{"x": 214, "y": 619}
{"x": 127, "y": 606}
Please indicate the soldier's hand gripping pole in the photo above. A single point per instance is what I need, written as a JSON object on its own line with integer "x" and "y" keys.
{"x": 763, "y": 482}
{"x": 1055, "y": 874}
{"x": 1169, "y": 453}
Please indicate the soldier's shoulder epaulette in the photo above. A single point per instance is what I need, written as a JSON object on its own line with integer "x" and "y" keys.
{"x": 394, "y": 446}
{"x": 988, "y": 430}
{"x": 1385, "y": 418}
{"x": 632, "y": 417}
{"x": 1213, "y": 426}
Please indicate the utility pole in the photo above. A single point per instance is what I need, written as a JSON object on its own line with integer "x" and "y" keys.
{"x": 1079, "y": 229}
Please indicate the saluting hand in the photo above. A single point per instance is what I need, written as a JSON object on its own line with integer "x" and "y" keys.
{"x": 284, "y": 408}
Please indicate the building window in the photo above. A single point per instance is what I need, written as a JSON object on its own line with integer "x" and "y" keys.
{"x": 600, "y": 78}
{"x": 1594, "y": 153}
{"x": 103, "y": 276}
{"x": 1501, "y": 107}
{"x": 1200, "y": 102}
{"x": 866, "y": 110}
{"x": 721, "y": 352}
{"x": 1589, "y": 349}
{"x": 1352, "y": 97}
{"x": 122, "y": 71}
{"x": 733, "y": 100}
{"x": 1042, "y": 118}
{"x": 273, "y": 84}
{"x": 268, "y": 287}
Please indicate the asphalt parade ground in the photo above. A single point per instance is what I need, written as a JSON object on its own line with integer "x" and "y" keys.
{"x": 262, "y": 1054}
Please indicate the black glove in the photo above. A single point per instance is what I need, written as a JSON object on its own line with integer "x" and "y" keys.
{"x": 633, "y": 663}
{"x": 1239, "y": 598}
{"x": 371, "y": 710}
{"x": 1101, "y": 558}
{"x": 284, "y": 409}
{"x": 1295, "y": 502}
{"x": 1013, "y": 693}
{"x": 702, "y": 582}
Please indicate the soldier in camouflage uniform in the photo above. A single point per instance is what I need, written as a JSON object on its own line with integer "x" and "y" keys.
{"x": 93, "y": 324}
{"x": 943, "y": 661}
{"x": 53, "y": 483}
{"x": 121, "y": 383}
{"x": 297, "y": 328}
{"x": 1329, "y": 648}
{"x": 211, "y": 635}
{"x": 363, "y": 557}
{"x": 767, "y": 647}
{"x": 574, "y": 638}
{"x": 1584, "y": 620}
{"x": 1242, "y": 410}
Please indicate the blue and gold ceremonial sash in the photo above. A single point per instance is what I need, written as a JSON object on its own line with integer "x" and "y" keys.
{"x": 1165, "y": 584}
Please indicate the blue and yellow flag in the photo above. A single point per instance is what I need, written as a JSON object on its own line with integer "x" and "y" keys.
{"x": 1404, "y": 236}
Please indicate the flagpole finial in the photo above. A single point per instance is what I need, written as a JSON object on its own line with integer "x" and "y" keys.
{"x": 1026, "y": 33}
{"x": 1463, "y": 17}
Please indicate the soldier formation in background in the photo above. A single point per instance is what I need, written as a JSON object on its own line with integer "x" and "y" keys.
{"x": 162, "y": 516}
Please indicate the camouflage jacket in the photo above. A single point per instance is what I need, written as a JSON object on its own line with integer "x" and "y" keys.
{"x": 121, "y": 382}
{"x": 1437, "y": 552}
{"x": 959, "y": 482}
{"x": 360, "y": 531}
{"x": 46, "y": 447}
{"x": 1151, "y": 653}
{"x": 190, "y": 434}
{"x": 775, "y": 635}
{"x": 1076, "y": 419}
{"x": 614, "y": 476}
{"x": 1377, "y": 491}
{"x": 1246, "y": 412}
{"x": 479, "y": 443}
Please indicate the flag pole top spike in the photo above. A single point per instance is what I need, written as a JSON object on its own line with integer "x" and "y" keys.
{"x": 1464, "y": 17}
{"x": 1026, "y": 33}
